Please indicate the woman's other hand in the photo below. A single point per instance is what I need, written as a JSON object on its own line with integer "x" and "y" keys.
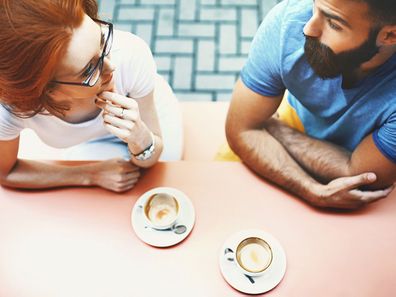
{"x": 116, "y": 175}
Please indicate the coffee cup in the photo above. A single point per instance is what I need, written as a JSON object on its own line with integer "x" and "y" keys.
{"x": 161, "y": 210}
{"x": 252, "y": 256}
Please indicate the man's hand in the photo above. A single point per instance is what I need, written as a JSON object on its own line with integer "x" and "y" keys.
{"x": 343, "y": 192}
{"x": 116, "y": 175}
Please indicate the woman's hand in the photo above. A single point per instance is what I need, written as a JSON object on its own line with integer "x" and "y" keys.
{"x": 116, "y": 175}
{"x": 122, "y": 118}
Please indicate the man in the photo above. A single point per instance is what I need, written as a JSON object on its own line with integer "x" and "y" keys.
{"x": 333, "y": 141}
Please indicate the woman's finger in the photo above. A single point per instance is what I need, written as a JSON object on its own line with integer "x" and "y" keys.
{"x": 129, "y": 185}
{"x": 115, "y": 110}
{"x": 130, "y": 114}
{"x": 118, "y": 122}
{"x": 120, "y": 133}
{"x": 118, "y": 99}
{"x": 129, "y": 176}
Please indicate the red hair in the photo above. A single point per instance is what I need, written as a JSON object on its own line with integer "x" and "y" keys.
{"x": 34, "y": 37}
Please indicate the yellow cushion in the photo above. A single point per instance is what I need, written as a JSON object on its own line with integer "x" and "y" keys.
{"x": 288, "y": 115}
{"x": 226, "y": 154}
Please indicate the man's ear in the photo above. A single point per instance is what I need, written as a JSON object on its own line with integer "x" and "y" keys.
{"x": 387, "y": 35}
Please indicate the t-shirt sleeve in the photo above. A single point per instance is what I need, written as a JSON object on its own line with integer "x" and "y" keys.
{"x": 385, "y": 138}
{"x": 261, "y": 72}
{"x": 139, "y": 70}
{"x": 10, "y": 125}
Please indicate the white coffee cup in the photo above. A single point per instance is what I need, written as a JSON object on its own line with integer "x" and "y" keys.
{"x": 161, "y": 210}
{"x": 252, "y": 256}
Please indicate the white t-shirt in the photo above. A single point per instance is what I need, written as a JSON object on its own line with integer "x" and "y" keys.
{"x": 135, "y": 76}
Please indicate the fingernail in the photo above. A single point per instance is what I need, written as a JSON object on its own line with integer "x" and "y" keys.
{"x": 371, "y": 177}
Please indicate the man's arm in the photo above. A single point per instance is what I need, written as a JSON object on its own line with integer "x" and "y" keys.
{"x": 265, "y": 155}
{"x": 327, "y": 161}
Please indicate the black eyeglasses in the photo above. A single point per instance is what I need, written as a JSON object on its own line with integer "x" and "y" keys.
{"x": 94, "y": 75}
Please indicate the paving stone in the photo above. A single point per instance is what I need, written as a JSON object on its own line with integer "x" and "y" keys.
{"x": 239, "y": 2}
{"x": 174, "y": 46}
{"x": 206, "y": 55}
{"x": 145, "y": 31}
{"x": 124, "y": 27}
{"x": 196, "y": 30}
{"x": 135, "y": 14}
{"x": 231, "y": 64}
{"x": 245, "y": 47}
{"x": 228, "y": 39}
{"x": 163, "y": 63}
{"x": 199, "y": 46}
{"x": 158, "y": 2}
{"x": 166, "y": 22}
{"x": 107, "y": 9}
{"x": 183, "y": 73}
{"x": 223, "y": 96}
{"x": 188, "y": 10}
{"x": 249, "y": 22}
{"x": 208, "y": 2}
{"x": 218, "y": 14}
{"x": 215, "y": 81}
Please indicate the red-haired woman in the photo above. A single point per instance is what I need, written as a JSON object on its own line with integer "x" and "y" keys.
{"x": 78, "y": 83}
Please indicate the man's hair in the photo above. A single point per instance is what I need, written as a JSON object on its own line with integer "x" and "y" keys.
{"x": 34, "y": 37}
{"x": 383, "y": 12}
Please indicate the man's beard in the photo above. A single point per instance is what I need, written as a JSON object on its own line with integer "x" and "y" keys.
{"x": 327, "y": 64}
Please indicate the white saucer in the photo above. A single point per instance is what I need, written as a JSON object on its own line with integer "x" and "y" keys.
{"x": 163, "y": 238}
{"x": 266, "y": 282}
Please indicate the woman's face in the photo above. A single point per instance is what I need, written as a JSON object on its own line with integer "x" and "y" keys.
{"x": 82, "y": 55}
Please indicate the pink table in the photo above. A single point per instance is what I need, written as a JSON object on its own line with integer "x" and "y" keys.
{"x": 79, "y": 242}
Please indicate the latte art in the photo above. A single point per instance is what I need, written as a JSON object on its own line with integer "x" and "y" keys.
{"x": 254, "y": 257}
{"x": 162, "y": 214}
{"x": 162, "y": 209}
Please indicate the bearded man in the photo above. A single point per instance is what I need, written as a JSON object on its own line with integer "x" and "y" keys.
{"x": 332, "y": 139}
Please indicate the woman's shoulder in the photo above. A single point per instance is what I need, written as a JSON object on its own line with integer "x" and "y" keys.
{"x": 134, "y": 63}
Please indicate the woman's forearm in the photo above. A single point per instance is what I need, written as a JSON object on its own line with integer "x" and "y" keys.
{"x": 29, "y": 174}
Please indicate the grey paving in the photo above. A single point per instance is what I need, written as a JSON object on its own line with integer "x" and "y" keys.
{"x": 199, "y": 45}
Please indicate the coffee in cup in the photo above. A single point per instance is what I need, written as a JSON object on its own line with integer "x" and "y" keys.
{"x": 161, "y": 210}
{"x": 253, "y": 256}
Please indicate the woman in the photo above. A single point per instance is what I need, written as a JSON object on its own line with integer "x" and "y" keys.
{"x": 78, "y": 83}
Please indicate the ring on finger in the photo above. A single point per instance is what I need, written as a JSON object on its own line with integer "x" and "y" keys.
{"x": 122, "y": 113}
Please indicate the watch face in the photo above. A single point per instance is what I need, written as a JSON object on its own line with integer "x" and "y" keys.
{"x": 148, "y": 152}
{"x": 145, "y": 155}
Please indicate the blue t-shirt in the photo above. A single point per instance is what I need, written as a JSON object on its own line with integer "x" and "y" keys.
{"x": 342, "y": 116}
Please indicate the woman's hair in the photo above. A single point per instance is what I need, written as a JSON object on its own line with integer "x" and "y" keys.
{"x": 34, "y": 37}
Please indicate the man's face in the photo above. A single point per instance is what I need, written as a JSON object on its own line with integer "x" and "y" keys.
{"x": 339, "y": 37}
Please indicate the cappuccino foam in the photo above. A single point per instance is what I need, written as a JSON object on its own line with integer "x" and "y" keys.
{"x": 254, "y": 257}
{"x": 162, "y": 209}
{"x": 162, "y": 214}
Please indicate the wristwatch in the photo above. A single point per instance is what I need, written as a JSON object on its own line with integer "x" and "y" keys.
{"x": 148, "y": 152}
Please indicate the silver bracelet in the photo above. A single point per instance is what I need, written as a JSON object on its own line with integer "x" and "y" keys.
{"x": 146, "y": 153}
